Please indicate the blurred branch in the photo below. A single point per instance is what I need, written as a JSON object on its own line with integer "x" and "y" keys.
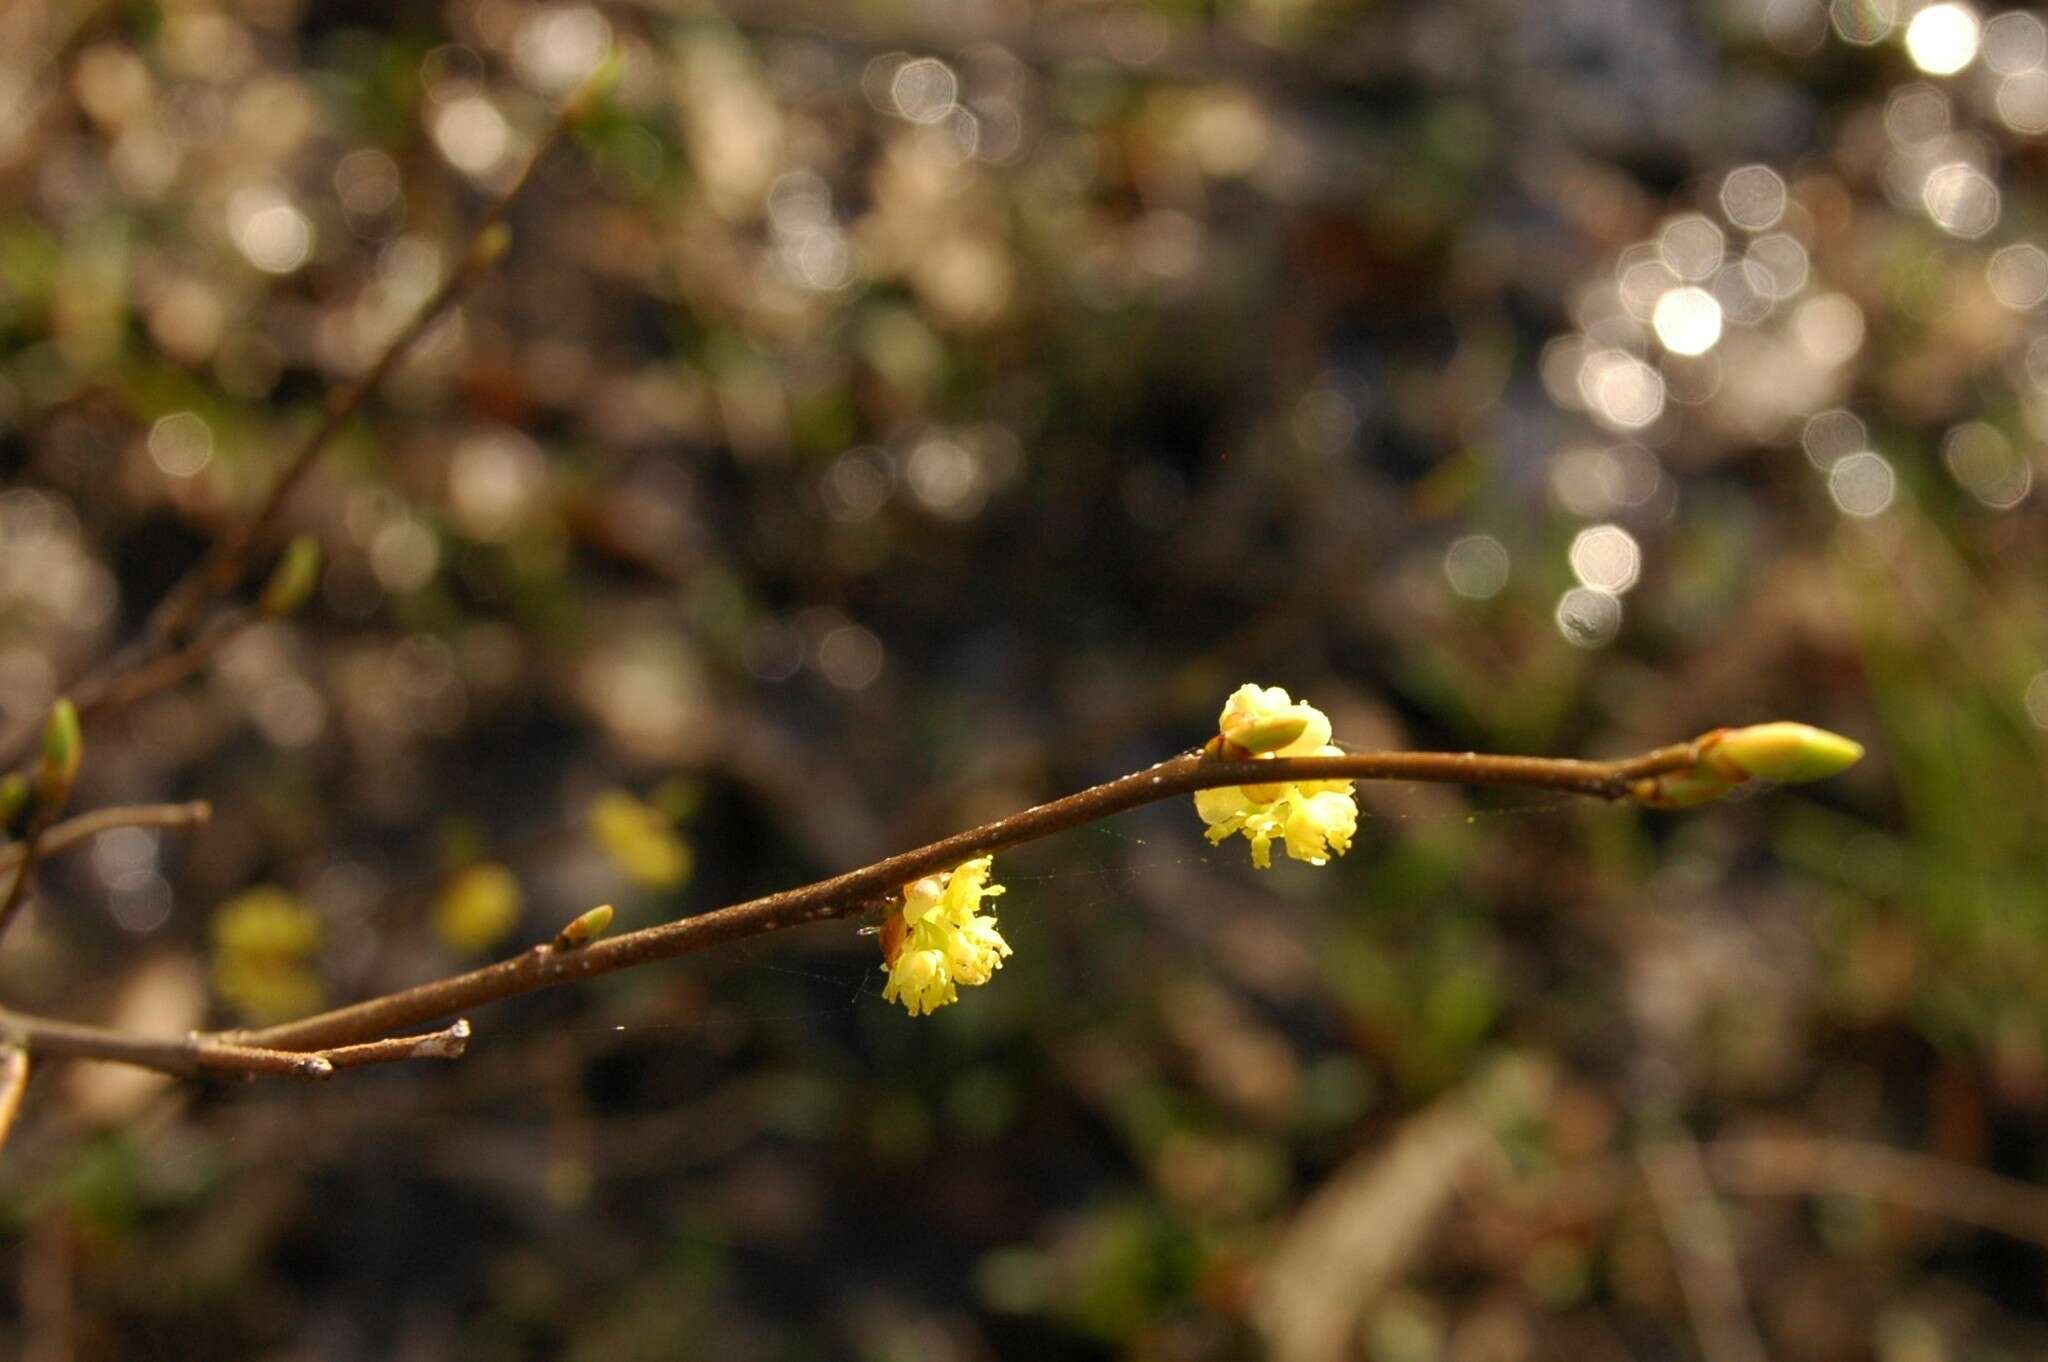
{"x": 42, "y": 841}
{"x": 13, "y": 1083}
{"x": 1808, "y": 1165}
{"x": 1359, "y": 1232}
{"x": 70, "y": 832}
{"x": 1697, "y": 1230}
{"x": 1801, "y": 1166}
{"x": 28, "y": 855}
{"x": 162, "y": 656}
{"x": 843, "y": 895}
{"x": 1345, "y": 57}
{"x": 146, "y": 675}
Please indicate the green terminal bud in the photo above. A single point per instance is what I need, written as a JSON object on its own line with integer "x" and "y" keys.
{"x": 585, "y": 929}
{"x": 1787, "y": 753}
{"x": 63, "y": 750}
{"x": 297, "y": 573}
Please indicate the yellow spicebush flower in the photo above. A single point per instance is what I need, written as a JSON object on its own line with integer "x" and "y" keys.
{"x": 641, "y": 842}
{"x": 939, "y": 942}
{"x": 1310, "y": 818}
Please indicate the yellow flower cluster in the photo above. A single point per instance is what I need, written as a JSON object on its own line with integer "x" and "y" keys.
{"x": 939, "y": 942}
{"x": 1311, "y": 818}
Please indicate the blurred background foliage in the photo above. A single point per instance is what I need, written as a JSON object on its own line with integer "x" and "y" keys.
{"x": 890, "y": 415}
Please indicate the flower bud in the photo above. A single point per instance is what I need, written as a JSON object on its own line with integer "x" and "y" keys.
{"x": 1787, "y": 753}
{"x": 63, "y": 749}
{"x": 585, "y": 929}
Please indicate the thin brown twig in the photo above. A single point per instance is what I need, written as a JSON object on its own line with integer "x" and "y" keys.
{"x": 69, "y": 833}
{"x": 13, "y": 1083}
{"x": 48, "y": 839}
{"x": 451, "y": 1042}
{"x": 31, "y": 847}
{"x": 112, "y": 690}
{"x": 198, "y": 1052}
{"x": 225, "y": 563}
{"x": 843, "y": 895}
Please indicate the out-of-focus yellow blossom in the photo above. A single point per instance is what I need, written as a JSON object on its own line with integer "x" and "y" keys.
{"x": 640, "y": 841}
{"x": 263, "y": 944}
{"x": 1311, "y": 818}
{"x": 478, "y": 908}
{"x": 939, "y": 942}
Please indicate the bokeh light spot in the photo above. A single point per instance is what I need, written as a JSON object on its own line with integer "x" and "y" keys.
{"x": 1829, "y": 328}
{"x": 1687, "y": 321}
{"x": 1606, "y": 558}
{"x": 1942, "y": 39}
{"x": 1961, "y": 200}
{"x": 1862, "y": 22}
{"x": 1621, "y": 390}
{"x": 1477, "y": 566}
{"x": 269, "y": 230}
{"x": 1692, "y": 246}
{"x": 1862, "y": 484}
{"x": 1985, "y": 464}
{"x": 2018, "y": 276}
{"x": 1830, "y": 436}
{"x": 1753, "y": 197}
{"x": 181, "y": 444}
{"x": 2015, "y": 41}
{"x": 1588, "y": 618}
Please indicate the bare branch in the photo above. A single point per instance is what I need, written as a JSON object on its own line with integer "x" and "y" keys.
{"x": 544, "y": 966}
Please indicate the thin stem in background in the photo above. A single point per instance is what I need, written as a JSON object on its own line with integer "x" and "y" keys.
{"x": 159, "y": 657}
